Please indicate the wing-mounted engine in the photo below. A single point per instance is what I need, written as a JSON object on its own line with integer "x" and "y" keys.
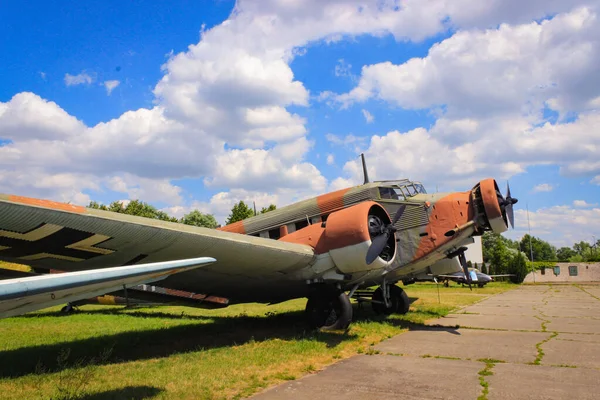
{"x": 347, "y": 236}
{"x": 492, "y": 210}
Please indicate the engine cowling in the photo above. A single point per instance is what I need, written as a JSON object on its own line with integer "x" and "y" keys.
{"x": 490, "y": 214}
{"x": 346, "y": 237}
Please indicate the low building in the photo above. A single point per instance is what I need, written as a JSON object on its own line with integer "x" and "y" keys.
{"x": 566, "y": 272}
{"x": 474, "y": 251}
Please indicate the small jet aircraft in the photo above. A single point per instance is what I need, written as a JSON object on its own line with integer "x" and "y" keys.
{"x": 480, "y": 278}
{"x": 324, "y": 248}
{"x": 477, "y": 277}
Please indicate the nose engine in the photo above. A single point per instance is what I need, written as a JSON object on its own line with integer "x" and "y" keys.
{"x": 492, "y": 210}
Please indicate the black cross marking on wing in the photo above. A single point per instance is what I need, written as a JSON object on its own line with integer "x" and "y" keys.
{"x": 56, "y": 242}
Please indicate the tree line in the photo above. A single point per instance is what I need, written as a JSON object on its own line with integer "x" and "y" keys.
{"x": 239, "y": 212}
{"x": 505, "y": 256}
{"x": 495, "y": 247}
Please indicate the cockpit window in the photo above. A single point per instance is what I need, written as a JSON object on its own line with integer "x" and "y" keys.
{"x": 389, "y": 193}
{"x": 411, "y": 190}
{"x": 401, "y": 191}
{"x": 420, "y": 188}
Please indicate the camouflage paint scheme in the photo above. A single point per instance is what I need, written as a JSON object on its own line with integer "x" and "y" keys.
{"x": 330, "y": 249}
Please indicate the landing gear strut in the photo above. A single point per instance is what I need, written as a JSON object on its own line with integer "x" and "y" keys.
{"x": 397, "y": 303}
{"x": 328, "y": 309}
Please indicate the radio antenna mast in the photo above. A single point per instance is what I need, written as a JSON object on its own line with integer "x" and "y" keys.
{"x": 364, "y": 165}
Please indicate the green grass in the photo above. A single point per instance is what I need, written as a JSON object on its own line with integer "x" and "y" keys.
{"x": 486, "y": 371}
{"x": 182, "y": 352}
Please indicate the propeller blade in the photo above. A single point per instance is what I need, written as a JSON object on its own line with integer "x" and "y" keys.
{"x": 509, "y": 201}
{"x": 463, "y": 263}
{"x": 511, "y": 215}
{"x": 377, "y": 247}
{"x": 380, "y": 241}
{"x": 399, "y": 213}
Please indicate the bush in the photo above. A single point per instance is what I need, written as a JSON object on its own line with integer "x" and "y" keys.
{"x": 518, "y": 268}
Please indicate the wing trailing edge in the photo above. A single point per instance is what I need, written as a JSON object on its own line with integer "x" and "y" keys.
{"x": 22, "y": 295}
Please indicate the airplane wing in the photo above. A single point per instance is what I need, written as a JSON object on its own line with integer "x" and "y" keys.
{"x": 50, "y": 235}
{"x": 22, "y": 295}
{"x": 496, "y": 276}
{"x": 450, "y": 276}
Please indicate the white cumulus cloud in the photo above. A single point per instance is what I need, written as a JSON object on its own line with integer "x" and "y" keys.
{"x": 583, "y": 204}
{"x": 543, "y": 187}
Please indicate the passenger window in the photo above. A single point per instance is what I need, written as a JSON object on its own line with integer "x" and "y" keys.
{"x": 573, "y": 270}
{"x": 301, "y": 224}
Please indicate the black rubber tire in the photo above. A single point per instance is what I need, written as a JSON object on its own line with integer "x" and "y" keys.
{"x": 328, "y": 311}
{"x": 401, "y": 299}
{"x": 398, "y": 298}
{"x": 378, "y": 307}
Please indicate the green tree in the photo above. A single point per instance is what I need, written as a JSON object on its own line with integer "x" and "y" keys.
{"x": 267, "y": 209}
{"x": 496, "y": 251}
{"x": 239, "y": 212}
{"x": 564, "y": 254}
{"x": 98, "y": 206}
{"x": 196, "y": 218}
{"x": 582, "y": 248}
{"x": 542, "y": 250}
{"x": 135, "y": 207}
{"x": 518, "y": 267}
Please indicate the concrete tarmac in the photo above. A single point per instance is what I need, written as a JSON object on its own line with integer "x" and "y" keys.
{"x": 534, "y": 342}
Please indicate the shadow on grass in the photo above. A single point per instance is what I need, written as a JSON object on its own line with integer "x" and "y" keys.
{"x": 404, "y": 321}
{"x": 129, "y": 392}
{"x": 210, "y": 332}
{"x": 215, "y": 332}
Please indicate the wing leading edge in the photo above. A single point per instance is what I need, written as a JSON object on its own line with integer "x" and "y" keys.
{"x": 22, "y": 295}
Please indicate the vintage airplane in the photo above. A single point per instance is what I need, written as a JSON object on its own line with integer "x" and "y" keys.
{"x": 324, "y": 248}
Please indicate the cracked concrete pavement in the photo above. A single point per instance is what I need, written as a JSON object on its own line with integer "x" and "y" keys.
{"x": 534, "y": 342}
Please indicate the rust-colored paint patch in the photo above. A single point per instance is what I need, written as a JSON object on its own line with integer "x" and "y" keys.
{"x": 448, "y": 213}
{"x": 331, "y": 201}
{"x": 310, "y": 236}
{"x": 46, "y": 204}
{"x": 236, "y": 227}
{"x": 345, "y": 227}
{"x": 490, "y": 198}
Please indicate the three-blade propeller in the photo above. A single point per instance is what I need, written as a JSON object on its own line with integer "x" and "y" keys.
{"x": 380, "y": 234}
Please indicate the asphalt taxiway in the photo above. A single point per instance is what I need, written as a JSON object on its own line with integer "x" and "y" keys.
{"x": 534, "y": 342}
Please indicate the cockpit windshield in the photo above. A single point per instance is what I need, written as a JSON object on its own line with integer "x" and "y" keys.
{"x": 401, "y": 191}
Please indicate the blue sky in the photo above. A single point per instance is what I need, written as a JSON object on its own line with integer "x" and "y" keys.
{"x": 235, "y": 116}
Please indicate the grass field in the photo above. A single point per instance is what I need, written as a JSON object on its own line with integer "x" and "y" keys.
{"x": 180, "y": 352}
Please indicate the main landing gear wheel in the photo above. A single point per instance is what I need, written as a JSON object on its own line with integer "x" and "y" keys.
{"x": 329, "y": 310}
{"x": 398, "y": 299}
